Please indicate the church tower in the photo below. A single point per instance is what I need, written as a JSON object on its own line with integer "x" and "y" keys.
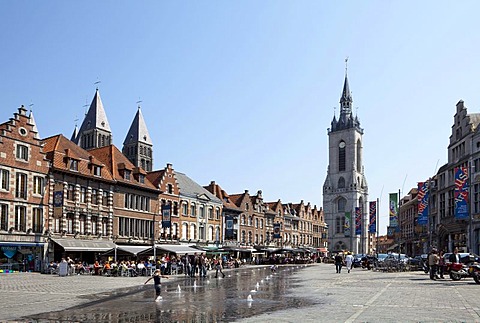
{"x": 95, "y": 131}
{"x": 137, "y": 146}
{"x": 345, "y": 187}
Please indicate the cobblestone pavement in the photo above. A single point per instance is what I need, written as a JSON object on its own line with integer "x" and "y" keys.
{"x": 359, "y": 296}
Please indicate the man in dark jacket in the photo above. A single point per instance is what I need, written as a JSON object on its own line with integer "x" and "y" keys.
{"x": 338, "y": 263}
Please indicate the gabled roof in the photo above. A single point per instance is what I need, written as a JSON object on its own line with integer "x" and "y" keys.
{"x": 60, "y": 150}
{"x": 34, "y": 125}
{"x": 237, "y": 198}
{"x": 138, "y": 131}
{"x": 189, "y": 188}
{"x": 95, "y": 117}
{"x": 156, "y": 176}
{"x": 216, "y": 190}
{"x": 115, "y": 160}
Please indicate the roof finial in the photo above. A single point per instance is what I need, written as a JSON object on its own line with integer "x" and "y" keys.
{"x": 86, "y": 105}
{"x": 96, "y": 83}
{"x": 138, "y": 102}
{"x": 76, "y": 120}
{"x": 346, "y": 65}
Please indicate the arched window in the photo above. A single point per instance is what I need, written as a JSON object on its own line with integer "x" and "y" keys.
{"x": 185, "y": 231}
{"x": 341, "y": 182}
{"x": 341, "y": 204}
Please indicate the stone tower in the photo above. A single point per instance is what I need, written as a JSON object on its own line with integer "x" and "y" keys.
{"x": 95, "y": 131}
{"x": 345, "y": 186}
{"x": 137, "y": 146}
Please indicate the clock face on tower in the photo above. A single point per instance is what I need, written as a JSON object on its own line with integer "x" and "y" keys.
{"x": 341, "y": 144}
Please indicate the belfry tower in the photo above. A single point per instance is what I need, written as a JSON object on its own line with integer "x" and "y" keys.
{"x": 345, "y": 187}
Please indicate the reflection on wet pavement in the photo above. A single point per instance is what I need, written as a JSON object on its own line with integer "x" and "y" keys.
{"x": 242, "y": 293}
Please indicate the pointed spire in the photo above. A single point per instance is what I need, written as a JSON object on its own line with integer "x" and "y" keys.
{"x": 74, "y": 134}
{"x": 138, "y": 130}
{"x": 34, "y": 125}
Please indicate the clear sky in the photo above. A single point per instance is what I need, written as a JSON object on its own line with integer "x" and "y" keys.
{"x": 242, "y": 92}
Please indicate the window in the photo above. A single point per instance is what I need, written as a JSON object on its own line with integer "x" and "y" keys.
{"x": 82, "y": 220}
{"x": 70, "y": 221}
{"x": 73, "y": 165}
{"x": 170, "y": 188}
{"x": 193, "y": 210}
{"x": 341, "y": 204}
{"x": 4, "y": 217}
{"x": 217, "y": 214}
{"x": 20, "y": 218}
{"x": 201, "y": 213}
{"x": 210, "y": 213}
{"x": 22, "y": 152}
{"x": 184, "y": 208}
{"x": 127, "y": 175}
{"x": 83, "y": 194}
{"x": 94, "y": 225}
{"x": 94, "y": 196}
{"x": 105, "y": 198}
{"x": 38, "y": 185}
{"x": 37, "y": 220}
{"x": 97, "y": 170}
{"x": 21, "y": 186}
{"x": 4, "y": 179}
{"x": 141, "y": 178}
{"x": 104, "y": 226}
{"x": 71, "y": 192}
{"x": 340, "y": 225}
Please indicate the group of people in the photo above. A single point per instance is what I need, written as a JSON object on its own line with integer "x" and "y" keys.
{"x": 341, "y": 261}
{"x": 436, "y": 262}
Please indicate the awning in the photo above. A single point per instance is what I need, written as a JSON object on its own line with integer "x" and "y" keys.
{"x": 178, "y": 249}
{"x": 123, "y": 250}
{"x": 84, "y": 245}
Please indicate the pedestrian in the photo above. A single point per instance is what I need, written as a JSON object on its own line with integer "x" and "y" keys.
{"x": 433, "y": 263}
{"x": 441, "y": 264}
{"x": 338, "y": 263}
{"x": 218, "y": 267}
{"x": 157, "y": 283}
{"x": 349, "y": 261}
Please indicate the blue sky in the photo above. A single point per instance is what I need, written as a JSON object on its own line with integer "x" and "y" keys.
{"x": 242, "y": 92}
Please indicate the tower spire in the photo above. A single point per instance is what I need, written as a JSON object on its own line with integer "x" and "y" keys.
{"x": 137, "y": 146}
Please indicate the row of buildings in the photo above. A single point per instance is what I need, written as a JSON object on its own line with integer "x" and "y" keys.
{"x": 444, "y": 229}
{"x": 83, "y": 196}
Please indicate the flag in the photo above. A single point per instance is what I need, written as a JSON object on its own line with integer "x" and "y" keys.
{"x": 422, "y": 197}
{"x": 372, "y": 228}
{"x": 348, "y": 218}
{"x": 393, "y": 210}
{"x": 358, "y": 221}
{"x": 461, "y": 193}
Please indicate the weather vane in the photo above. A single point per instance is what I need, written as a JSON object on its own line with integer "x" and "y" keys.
{"x": 346, "y": 65}
{"x": 139, "y": 101}
{"x": 97, "y": 82}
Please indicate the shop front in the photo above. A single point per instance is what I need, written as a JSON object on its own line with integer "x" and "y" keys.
{"x": 16, "y": 256}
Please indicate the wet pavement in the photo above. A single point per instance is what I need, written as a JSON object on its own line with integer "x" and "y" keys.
{"x": 243, "y": 293}
{"x": 308, "y": 294}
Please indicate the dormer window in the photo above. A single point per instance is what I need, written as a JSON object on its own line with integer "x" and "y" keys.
{"x": 127, "y": 174}
{"x": 97, "y": 170}
{"x": 141, "y": 178}
{"x": 73, "y": 165}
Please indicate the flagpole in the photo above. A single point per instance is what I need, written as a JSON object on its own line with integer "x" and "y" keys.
{"x": 378, "y": 224}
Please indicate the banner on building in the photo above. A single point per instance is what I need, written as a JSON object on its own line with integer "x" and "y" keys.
{"x": 348, "y": 221}
{"x": 166, "y": 213}
{"x": 276, "y": 231}
{"x": 372, "y": 226}
{"x": 392, "y": 206}
{"x": 229, "y": 227}
{"x": 390, "y": 232}
{"x": 423, "y": 193}
{"x": 358, "y": 221}
{"x": 58, "y": 204}
{"x": 461, "y": 193}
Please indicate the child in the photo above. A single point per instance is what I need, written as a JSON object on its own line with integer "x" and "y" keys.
{"x": 158, "y": 285}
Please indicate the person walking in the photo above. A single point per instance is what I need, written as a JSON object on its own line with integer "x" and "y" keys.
{"x": 338, "y": 263}
{"x": 157, "y": 283}
{"x": 349, "y": 261}
{"x": 433, "y": 263}
{"x": 218, "y": 267}
{"x": 441, "y": 264}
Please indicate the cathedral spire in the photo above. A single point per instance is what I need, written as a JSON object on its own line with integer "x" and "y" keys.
{"x": 95, "y": 131}
{"x": 137, "y": 146}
